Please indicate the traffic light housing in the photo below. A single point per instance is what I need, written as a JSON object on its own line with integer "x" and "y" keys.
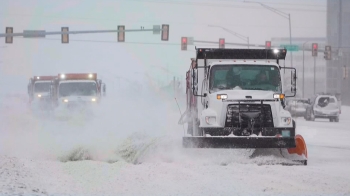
{"x": 121, "y": 33}
{"x": 314, "y": 49}
{"x": 9, "y": 39}
{"x": 328, "y": 53}
{"x": 222, "y": 43}
{"x": 183, "y": 43}
{"x": 165, "y": 32}
{"x": 64, "y": 37}
{"x": 267, "y": 44}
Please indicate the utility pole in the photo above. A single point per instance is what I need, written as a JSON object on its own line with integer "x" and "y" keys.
{"x": 304, "y": 68}
{"x": 314, "y": 75}
{"x": 284, "y": 15}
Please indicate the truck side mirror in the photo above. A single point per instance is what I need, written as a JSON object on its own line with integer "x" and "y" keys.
{"x": 51, "y": 91}
{"x": 29, "y": 91}
{"x": 293, "y": 81}
{"x": 103, "y": 89}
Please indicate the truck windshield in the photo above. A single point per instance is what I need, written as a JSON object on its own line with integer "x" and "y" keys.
{"x": 40, "y": 87}
{"x": 77, "y": 89}
{"x": 246, "y": 77}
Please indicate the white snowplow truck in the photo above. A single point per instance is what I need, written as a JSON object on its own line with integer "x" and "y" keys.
{"x": 76, "y": 90}
{"x": 235, "y": 99}
{"x": 38, "y": 92}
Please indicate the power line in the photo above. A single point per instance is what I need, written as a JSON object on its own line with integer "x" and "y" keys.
{"x": 292, "y": 4}
{"x": 219, "y": 5}
{"x": 154, "y": 22}
{"x": 112, "y": 42}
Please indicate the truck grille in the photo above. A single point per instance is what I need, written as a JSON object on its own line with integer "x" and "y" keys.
{"x": 240, "y": 115}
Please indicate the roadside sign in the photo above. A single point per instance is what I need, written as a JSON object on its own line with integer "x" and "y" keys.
{"x": 291, "y": 48}
{"x": 156, "y": 29}
{"x": 340, "y": 52}
{"x": 190, "y": 40}
{"x": 33, "y": 33}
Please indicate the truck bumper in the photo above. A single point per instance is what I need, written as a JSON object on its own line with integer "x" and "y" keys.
{"x": 238, "y": 142}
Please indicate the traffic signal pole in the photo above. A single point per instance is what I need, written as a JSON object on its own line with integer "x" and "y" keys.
{"x": 228, "y": 43}
{"x": 304, "y": 68}
{"x": 72, "y": 32}
{"x": 314, "y": 75}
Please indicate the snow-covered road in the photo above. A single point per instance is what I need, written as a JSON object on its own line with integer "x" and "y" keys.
{"x": 35, "y": 153}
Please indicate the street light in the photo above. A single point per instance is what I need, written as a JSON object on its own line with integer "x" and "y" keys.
{"x": 304, "y": 68}
{"x": 284, "y": 15}
{"x": 233, "y": 33}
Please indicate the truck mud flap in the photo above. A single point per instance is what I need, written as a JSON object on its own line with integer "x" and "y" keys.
{"x": 238, "y": 142}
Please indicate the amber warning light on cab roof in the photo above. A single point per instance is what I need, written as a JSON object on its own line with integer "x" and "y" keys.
{"x": 44, "y": 77}
{"x": 80, "y": 76}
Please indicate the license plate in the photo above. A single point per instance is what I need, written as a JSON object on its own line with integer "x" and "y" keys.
{"x": 285, "y": 133}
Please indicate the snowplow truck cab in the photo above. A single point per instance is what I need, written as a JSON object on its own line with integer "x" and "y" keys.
{"x": 236, "y": 99}
{"x": 75, "y": 90}
{"x": 39, "y": 91}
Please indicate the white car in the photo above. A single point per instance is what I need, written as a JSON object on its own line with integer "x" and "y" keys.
{"x": 324, "y": 106}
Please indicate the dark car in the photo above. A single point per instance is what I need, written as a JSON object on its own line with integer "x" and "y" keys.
{"x": 298, "y": 106}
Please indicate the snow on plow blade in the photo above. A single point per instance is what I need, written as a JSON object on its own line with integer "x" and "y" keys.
{"x": 238, "y": 142}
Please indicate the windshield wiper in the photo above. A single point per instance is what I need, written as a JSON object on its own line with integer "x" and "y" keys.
{"x": 253, "y": 89}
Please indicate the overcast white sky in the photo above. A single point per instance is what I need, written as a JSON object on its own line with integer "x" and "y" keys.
{"x": 143, "y": 52}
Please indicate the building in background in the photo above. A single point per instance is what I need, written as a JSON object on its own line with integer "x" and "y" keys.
{"x": 305, "y": 63}
{"x": 338, "y": 37}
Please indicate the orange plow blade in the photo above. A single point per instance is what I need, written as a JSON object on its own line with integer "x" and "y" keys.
{"x": 300, "y": 148}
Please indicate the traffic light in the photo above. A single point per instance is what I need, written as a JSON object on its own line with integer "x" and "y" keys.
{"x": 165, "y": 32}
{"x": 121, "y": 33}
{"x": 222, "y": 43}
{"x": 9, "y": 40}
{"x": 183, "y": 43}
{"x": 328, "y": 53}
{"x": 314, "y": 49}
{"x": 267, "y": 44}
{"x": 64, "y": 37}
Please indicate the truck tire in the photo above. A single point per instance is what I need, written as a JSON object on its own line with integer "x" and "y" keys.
{"x": 190, "y": 128}
{"x": 312, "y": 116}
{"x": 294, "y": 124}
{"x": 336, "y": 119}
{"x": 197, "y": 131}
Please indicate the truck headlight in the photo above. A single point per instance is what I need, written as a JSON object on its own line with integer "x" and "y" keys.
{"x": 39, "y": 95}
{"x": 65, "y": 100}
{"x": 210, "y": 120}
{"x": 286, "y": 120}
{"x": 221, "y": 96}
{"x": 93, "y": 99}
{"x": 278, "y": 96}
